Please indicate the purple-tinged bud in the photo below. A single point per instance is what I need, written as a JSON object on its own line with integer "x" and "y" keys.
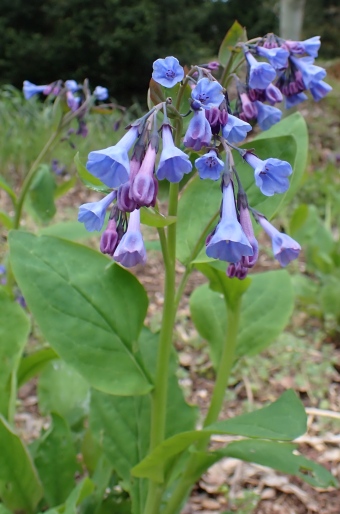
{"x": 213, "y": 65}
{"x": 82, "y": 128}
{"x": 52, "y": 89}
{"x": 249, "y": 108}
{"x": 143, "y": 190}
{"x": 247, "y": 226}
{"x": 109, "y": 239}
{"x": 124, "y": 202}
{"x": 228, "y": 241}
{"x": 271, "y": 175}
{"x": 237, "y": 270}
{"x": 209, "y": 166}
{"x": 198, "y": 133}
{"x": 131, "y": 250}
{"x": 213, "y": 116}
{"x": 285, "y": 249}
{"x": 92, "y": 214}
{"x": 273, "y": 94}
{"x": 57, "y": 168}
{"x": 261, "y": 74}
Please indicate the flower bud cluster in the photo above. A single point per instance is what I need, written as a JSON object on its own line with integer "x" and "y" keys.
{"x": 132, "y": 167}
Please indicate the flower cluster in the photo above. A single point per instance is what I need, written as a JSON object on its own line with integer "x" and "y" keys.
{"x": 289, "y": 72}
{"x": 75, "y": 95}
{"x": 132, "y": 169}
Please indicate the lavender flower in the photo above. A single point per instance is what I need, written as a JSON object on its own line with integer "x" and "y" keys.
{"x": 111, "y": 165}
{"x": 143, "y": 189}
{"x": 248, "y": 108}
{"x": 271, "y": 175}
{"x": 278, "y": 57}
{"x": 207, "y": 94}
{"x": 260, "y": 73}
{"x": 101, "y": 93}
{"x": 267, "y": 115}
{"x": 310, "y": 72}
{"x": 309, "y": 46}
{"x": 31, "y": 89}
{"x": 296, "y": 99}
{"x": 228, "y": 242}
{"x": 319, "y": 90}
{"x": 167, "y": 72}
{"x": 131, "y": 250}
{"x": 209, "y": 165}
{"x": 124, "y": 202}
{"x": 109, "y": 239}
{"x": 73, "y": 102}
{"x": 247, "y": 226}
{"x": 93, "y": 214}
{"x": 285, "y": 249}
{"x": 173, "y": 163}
{"x": 235, "y": 130}
{"x": 273, "y": 94}
{"x": 72, "y": 85}
{"x": 198, "y": 133}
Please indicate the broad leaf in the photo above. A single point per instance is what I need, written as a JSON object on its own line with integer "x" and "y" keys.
{"x": 78, "y": 495}
{"x": 71, "y": 230}
{"x": 32, "y": 364}
{"x": 14, "y": 330}
{"x": 90, "y": 310}
{"x": 41, "y": 194}
{"x": 20, "y": 488}
{"x": 152, "y": 218}
{"x": 283, "y": 420}
{"x": 280, "y": 456}
{"x": 261, "y": 319}
{"x": 234, "y": 35}
{"x": 62, "y": 390}
{"x": 56, "y": 446}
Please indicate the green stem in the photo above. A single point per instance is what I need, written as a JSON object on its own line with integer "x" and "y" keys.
{"x": 223, "y": 373}
{"x": 30, "y": 176}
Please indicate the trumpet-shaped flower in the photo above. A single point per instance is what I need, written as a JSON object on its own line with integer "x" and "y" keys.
{"x": 235, "y": 130}
{"x": 167, "y": 72}
{"x": 111, "y": 165}
{"x": 261, "y": 74}
{"x": 292, "y": 100}
{"x": 207, "y": 94}
{"x": 285, "y": 249}
{"x": 93, "y": 214}
{"x": 278, "y": 57}
{"x": 173, "y": 163}
{"x": 72, "y": 85}
{"x": 319, "y": 89}
{"x": 308, "y": 46}
{"x": 101, "y": 93}
{"x": 267, "y": 115}
{"x": 131, "y": 250}
{"x": 271, "y": 175}
{"x": 109, "y": 239}
{"x": 310, "y": 72}
{"x": 228, "y": 242}
{"x": 209, "y": 166}
{"x": 31, "y": 89}
{"x": 198, "y": 133}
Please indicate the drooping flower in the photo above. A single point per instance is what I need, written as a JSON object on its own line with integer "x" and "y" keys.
{"x": 247, "y": 226}
{"x": 198, "y": 133}
{"x": 278, "y": 57}
{"x": 173, "y": 163}
{"x": 131, "y": 250}
{"x": 124, "y": 202}
{"x": 109, "y": 239}
{"x": 73, "y": 102}
{"x": 143, "y": 189}
{"x": 267, "y": 115}
{"x": 92, "y": 214}
{"x": 235, "y": 130}
{"x": 285, "y": 248}
{"x": 111, "y": 165}
{"x": 261, "y": 74}
{"x": 319, "y": 90}
{"x": 228, "y": 242}
{"x": 207, "y": 94}
{"x": 31, "y": 89}
{"x": 309, "y": 46}
{"x": 292, "y": 100}
{"x": 167, "y": 72}
{"x": 209, "y": 165}
{"x": 72, "y": 85}
{"x": 248, "y": 108}
{"x": 271, "y": 175}
{"x": 310, "y": 72}
{"x": 101, "y": 93}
